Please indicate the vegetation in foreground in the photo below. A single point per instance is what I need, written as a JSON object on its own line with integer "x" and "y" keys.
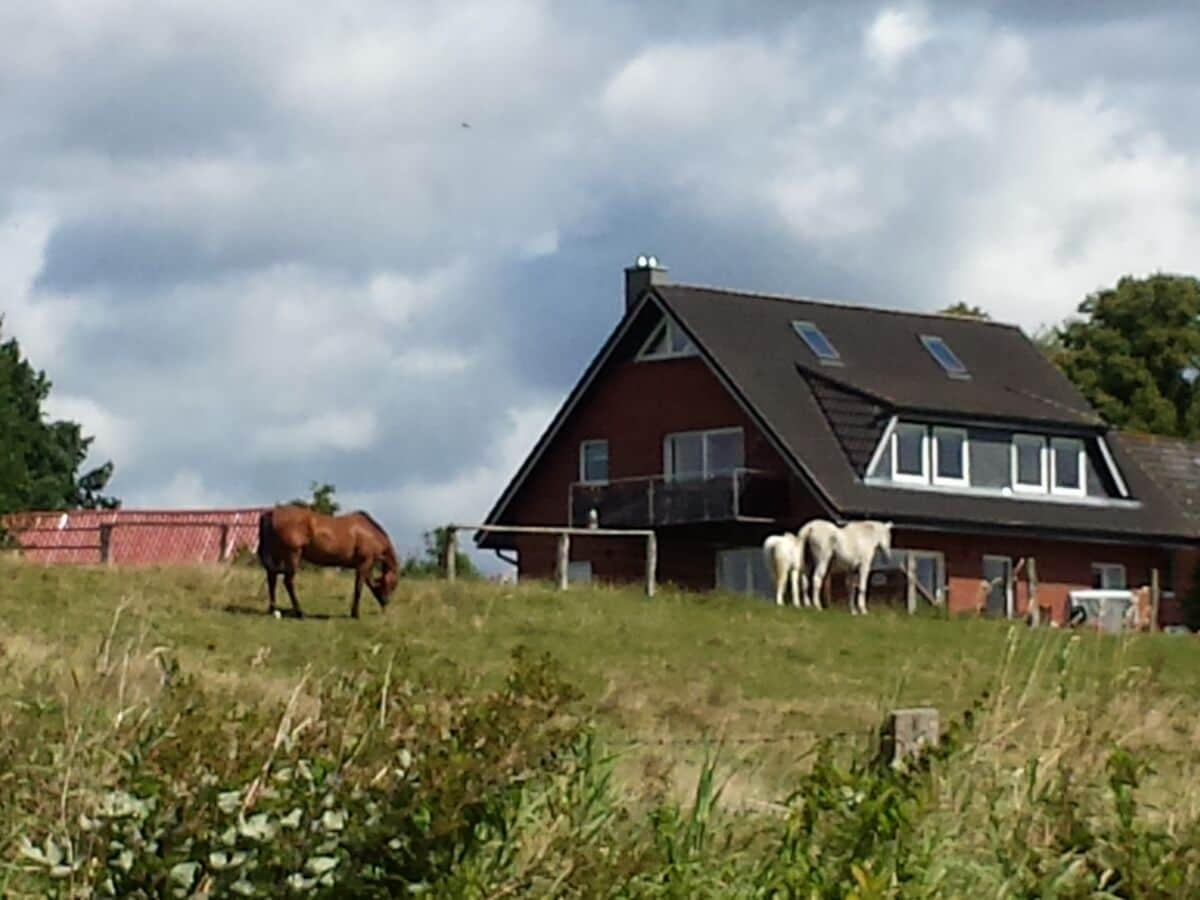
{"x": 158, "y": 739}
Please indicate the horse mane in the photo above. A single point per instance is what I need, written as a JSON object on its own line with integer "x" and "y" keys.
{"x": 382, "y": 532}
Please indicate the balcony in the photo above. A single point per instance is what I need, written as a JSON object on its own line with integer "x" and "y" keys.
{"x": 745, "y": 495}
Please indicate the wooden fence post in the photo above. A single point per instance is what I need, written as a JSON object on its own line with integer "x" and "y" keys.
{"x": 451, "y": 553}
{"x": 106, "y": 544}
{"x": 564, "y": 559}
{"x": 1155, "y": 599}
{"x": 910, "y": 583}
{"x": 651, "y": 564}
{"x": 906, "y": 731}
{"x": 1035, "y": 612}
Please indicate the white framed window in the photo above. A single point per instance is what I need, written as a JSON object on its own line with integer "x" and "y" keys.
{"x": 593, "y": 462}
{"x": 1109, "y": 576}
{"x": 703, "y": 454}
{"x": 667, "y": 341}
{"x": 910, "y": 453}
{"x": 1029, "y": 463}
{"x": 951, "y": 464}
{"x": 1068, "y": 466}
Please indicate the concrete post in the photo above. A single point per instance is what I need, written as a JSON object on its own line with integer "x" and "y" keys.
{"x": 651, "y": 565}
{"x": 564, "y": 560}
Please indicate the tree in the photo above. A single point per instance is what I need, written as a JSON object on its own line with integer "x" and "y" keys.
{"x": 322, "y": 499}
{"x": 965, "y": 311}
{"x": 1135, "y": 353}
{"x": 40, "y": 459}
{"x": 432, "y": 560}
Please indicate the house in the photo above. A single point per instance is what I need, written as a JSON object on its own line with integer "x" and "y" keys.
{"x": 134, "y": 537}
{"x": 717, "y": 417}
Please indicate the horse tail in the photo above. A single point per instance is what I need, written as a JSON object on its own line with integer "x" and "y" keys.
{"x": 266, "y": 531}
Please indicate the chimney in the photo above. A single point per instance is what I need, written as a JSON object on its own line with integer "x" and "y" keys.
{"x": 643, "y": 274}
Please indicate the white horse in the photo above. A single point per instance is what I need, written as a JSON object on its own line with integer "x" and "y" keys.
{"x": 785, "y": 559}
{"x": 850, "y": 547}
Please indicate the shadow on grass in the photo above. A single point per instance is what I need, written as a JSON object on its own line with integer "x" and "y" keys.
{"x": 238, "y": 609}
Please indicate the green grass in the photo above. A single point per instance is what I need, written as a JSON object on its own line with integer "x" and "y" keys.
{"x": 677, "y": 668}
{"x": 173, "y": 683}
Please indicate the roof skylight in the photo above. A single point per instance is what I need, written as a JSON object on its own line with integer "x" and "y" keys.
{"x": 945, "y": 357}
{"x": 817, "y": 342}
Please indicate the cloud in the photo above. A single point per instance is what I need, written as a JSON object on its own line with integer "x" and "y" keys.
{"x": 253, "y": 249}
{"x": 894, "y": 35}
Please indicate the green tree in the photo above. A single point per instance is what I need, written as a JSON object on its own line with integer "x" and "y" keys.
{"x": 965, "y": 311}
{"x": 40, "y": 459}
{"x": 322, "y": 500}
{"x": 432, "y": 559}
{"x": 1134, "y": 352}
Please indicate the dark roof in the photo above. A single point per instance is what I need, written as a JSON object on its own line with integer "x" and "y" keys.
{"x": 826, "y": 420}
{"x": 884, "y": 358}
{"x": 1172, "y": 464}
{"x": 824, "y": 416}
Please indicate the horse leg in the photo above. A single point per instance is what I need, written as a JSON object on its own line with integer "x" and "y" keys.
{"x": 272, "y": 577}
{"x": 819, "y": 580}
{"x": 358, "y": 583}
{"x": 289, "y": 582}
{"x": 864, "y": 575}
{"x": 794, "y": 577}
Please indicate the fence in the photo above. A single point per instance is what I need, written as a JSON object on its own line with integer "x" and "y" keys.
{"x": 564, "y": 546}
{"x": 131, "y": 537}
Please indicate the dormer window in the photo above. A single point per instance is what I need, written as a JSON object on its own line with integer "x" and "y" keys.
{"x": 820, "y": 345}
{"x": 1029, "y": 463}
{"x": 667, "y": 341}
{"x": 944, "y": 356}
{"x": 950, "y": 456}
{"x": 909, "y": 453}
{"x": 1067, "y": 465}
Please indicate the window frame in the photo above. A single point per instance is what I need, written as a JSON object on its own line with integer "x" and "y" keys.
{"x": 1018, "y": 486}
{"x": 799, "y": 326}
{"x": 583, "y": 446}
{"x": 1102, "y": 566}
{"x": 1081, "y": 464}
{"x": 667, "y": 326}
{"x": 908, "y": 477}
{"x": 928, "y": 341}
{"x": 963, "y": 455}
{"x": 704, "y": 434}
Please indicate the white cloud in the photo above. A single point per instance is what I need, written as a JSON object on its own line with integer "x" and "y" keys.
{"x": 344, "y": 430}
{"x": 894, "y": 35}
{"x": 114, "y": 437}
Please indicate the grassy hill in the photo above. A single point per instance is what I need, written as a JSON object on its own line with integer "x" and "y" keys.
{"x": 102, "y": 670}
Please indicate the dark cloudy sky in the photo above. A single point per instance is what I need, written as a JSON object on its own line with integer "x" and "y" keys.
{"x": 253, "y": 244}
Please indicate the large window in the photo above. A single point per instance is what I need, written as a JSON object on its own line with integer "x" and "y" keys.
{"x": 703, "y": 454}
{"x": 593, "y": 462}
{"x": 950, "y": 456}
{"x": 1029, "y": 462}
{"x": 1068, "y": 463}
{"x": 909, "y": 456}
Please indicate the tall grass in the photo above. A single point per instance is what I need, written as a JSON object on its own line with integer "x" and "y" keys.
{"x": 131, "y": 764}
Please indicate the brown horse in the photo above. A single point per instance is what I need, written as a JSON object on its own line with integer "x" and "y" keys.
{"x": 288, "y": 534}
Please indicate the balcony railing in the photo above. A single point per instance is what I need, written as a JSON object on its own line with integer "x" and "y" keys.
{"x": 653, "y": 500}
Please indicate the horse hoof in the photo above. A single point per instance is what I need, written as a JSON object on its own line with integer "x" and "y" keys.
{"x": 277, "y": 614}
